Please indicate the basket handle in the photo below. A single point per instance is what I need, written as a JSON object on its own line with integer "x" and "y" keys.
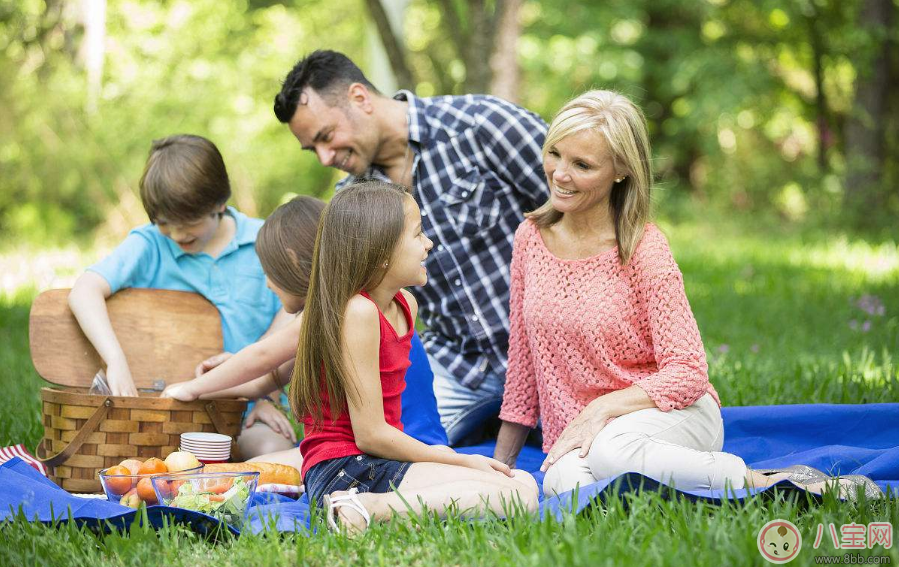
{"x": 217, "y": 420}
{"x": 89, "y": 427}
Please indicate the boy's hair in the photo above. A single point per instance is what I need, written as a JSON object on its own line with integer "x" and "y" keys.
{"x": 184, "y": 179}
{"x": 328, "y": 73}
{"x": 286, "y": 241}
{"x": 359, "y": 230}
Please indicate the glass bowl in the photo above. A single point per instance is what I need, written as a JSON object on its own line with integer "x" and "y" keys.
{"x": 224, "y": 495}
{"x": 128, "y": 490}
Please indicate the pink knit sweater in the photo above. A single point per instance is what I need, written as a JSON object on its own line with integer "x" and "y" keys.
{"x": 583, "y": 328}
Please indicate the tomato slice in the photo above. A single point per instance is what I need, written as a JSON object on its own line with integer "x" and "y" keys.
{"x": 221, "y": 487}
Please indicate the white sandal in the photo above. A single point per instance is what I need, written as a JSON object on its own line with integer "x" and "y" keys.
{"x": 351, "y": 501}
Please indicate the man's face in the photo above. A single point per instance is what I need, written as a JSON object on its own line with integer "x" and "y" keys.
{"x": 342, "y": 136}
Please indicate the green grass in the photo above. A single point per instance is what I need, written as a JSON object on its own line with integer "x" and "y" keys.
{"x": 782, "y": 320}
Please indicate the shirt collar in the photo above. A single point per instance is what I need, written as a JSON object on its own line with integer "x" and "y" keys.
{"x": 243, "y": 234}
{"x": 415, "y": 115}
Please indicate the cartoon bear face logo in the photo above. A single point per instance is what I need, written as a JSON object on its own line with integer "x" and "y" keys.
{"x": 779, "y": 541}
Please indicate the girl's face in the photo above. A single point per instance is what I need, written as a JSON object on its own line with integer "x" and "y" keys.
{"x": 580, "y": 172}
{"x": 192, "y": 236}
{"x": 406, "y": 266}
{"x": 292, "y": 303}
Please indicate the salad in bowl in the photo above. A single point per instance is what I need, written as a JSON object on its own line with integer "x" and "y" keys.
{"x": 224, "y": 496}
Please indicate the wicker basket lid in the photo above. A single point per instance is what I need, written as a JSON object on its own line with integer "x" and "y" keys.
{"x": 163, "y": 333}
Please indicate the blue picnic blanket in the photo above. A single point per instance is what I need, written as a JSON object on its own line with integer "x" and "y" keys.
{"x": 840, "y": 439}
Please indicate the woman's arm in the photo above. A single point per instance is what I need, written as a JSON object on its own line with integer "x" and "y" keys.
{"x": 509, "y": 442}
{"x": 373, "y": 435}
{"x": 252, "y": 362}
{"x": 87, "y": 300}
{"x": 520, "y": 405}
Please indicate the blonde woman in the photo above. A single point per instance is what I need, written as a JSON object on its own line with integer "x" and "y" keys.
{"x": 604, "y": 347}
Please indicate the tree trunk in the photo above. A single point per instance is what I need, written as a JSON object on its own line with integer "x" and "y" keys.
{"x": 392, "y": 45}
{"x": 504, "y": 62}
{"x": 865, "y": 135}
{"x": 94, "y": 49}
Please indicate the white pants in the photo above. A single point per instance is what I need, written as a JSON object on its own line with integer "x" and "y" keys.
{"x": 681, "y": 448}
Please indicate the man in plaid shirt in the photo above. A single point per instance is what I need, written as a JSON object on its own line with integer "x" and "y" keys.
{"x": 474, "y": 164}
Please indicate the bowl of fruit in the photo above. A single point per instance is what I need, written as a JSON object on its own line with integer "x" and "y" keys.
{"x": 128, "y": 483}
{"x": 223, "y": 495}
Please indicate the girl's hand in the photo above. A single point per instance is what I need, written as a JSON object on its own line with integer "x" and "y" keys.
{"x": 211, "y": 363}
{"x": 181, "y": 391}
{"x": 579, "y": 434}
{"x": 265, "y": 412}
{"x": 118, "y": 376}
{"x": 486, "y": 464}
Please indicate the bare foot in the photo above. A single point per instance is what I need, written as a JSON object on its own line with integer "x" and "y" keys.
{"x": 350, "y": 520}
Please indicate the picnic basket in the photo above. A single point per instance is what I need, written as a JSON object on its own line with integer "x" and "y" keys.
{"x": 164, "y": 335}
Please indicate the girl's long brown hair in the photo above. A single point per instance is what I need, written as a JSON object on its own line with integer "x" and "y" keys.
{"x": 286, "y": 241}
{"x": 359, "y": 230}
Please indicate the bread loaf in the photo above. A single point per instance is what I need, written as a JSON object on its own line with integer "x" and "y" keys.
{"x": 269, "y": 473}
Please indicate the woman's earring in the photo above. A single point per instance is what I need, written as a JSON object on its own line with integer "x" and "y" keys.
{"x": 385, "y": 264}
{"x": 619, "y": 180}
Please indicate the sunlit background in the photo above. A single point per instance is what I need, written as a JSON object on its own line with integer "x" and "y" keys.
{"x": 783, "y": 110}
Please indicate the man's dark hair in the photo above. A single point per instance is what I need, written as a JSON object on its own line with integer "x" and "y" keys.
{"x": 324, "y": 71}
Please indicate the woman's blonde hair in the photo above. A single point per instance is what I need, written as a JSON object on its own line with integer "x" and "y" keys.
{"x": 623, "y": 126}
{"x": 359, "y": 230}
{"x": 286, "y": 241}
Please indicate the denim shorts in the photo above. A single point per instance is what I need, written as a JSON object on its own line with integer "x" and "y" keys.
{"x": 366, "y": 473}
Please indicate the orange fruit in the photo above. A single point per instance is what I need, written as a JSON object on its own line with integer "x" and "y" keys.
{"x": 118, "y": 484}
{"x": 145, "y": 491}
{"x": 153, "y": 466}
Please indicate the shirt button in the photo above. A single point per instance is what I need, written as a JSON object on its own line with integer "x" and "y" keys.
{"x": 424, "y": 213}
{"x": 340, "y": 473}
{"x": 474, "y": 317}
{"x": 440, "y": 247}
{"x": 458, "y": 282}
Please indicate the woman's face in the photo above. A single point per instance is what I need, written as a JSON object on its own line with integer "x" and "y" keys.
{"x": 291, "y": 303}
{"x": 580, "y": 172}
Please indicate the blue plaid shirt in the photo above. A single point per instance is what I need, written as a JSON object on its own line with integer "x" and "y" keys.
{"x": 478, "y": 166}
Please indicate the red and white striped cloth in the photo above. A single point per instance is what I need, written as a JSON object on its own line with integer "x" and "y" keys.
{"x": 7, "y": 453}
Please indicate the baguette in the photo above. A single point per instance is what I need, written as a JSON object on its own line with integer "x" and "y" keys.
{"x": 269, "y": 473}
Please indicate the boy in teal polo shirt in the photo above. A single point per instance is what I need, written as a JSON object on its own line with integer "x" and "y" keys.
{"x": 194, "y": 243}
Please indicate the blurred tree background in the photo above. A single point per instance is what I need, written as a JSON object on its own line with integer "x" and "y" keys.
{"x": 756, "y": 106}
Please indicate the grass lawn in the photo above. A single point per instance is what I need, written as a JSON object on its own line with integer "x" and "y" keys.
{"x": 787, "y": 317}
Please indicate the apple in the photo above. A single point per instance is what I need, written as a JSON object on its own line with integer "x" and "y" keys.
{"x": 130, "y": 499}
{"x": 132, "y": 465}
{"x": 181, "y": 460}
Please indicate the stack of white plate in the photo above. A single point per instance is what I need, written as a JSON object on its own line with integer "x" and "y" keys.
{"x": 207, "y": 447}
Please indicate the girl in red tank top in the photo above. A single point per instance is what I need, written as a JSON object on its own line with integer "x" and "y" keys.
{"x": 351, "y": 363}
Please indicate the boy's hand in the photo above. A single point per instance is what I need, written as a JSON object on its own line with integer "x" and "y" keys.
{"x": 181, "y": 392}
{"x": 118, "y": 376}
{"x": 211, "y": 363}
{"x": 265, "y": 412}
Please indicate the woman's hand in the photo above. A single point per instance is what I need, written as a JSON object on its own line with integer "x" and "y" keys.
{"x": 211, "y": 363}
{"x": 181, "y": 392}
{"x": 118, "y": 376}
{"x": 580, "y": 433}
{"x": 265, "y": 412}
{"x": 482, "y": 463}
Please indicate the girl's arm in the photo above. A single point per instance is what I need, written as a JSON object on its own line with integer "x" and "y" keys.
{"x": 252, "y": 362}
{"x": 258, "y": 387}
{"x": 373, "y": 435}
{"x": 87, "y": 300}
